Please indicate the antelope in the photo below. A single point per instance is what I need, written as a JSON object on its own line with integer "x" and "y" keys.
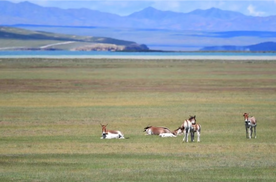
{"x": 187, "y": 126}
{"x": 111, "y": 134}
{"x": 195, "y": 128}
{"x": 250, "y": 123}
{"x": 153, "y": 130}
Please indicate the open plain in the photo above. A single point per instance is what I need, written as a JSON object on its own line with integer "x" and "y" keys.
{"x": 51, "y": 110}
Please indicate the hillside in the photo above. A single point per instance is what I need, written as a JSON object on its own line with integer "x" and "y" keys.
{"x": 21, "y": 39}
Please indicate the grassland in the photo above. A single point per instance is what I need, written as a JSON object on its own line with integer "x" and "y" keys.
{"x": 51, "y": 110}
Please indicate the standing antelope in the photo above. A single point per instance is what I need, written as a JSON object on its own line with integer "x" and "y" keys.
{"x": 250, "y": 123}
{"x": 111, "y": 134}
{"x": 187, "y": 127}
{"x": 195, "y": 128}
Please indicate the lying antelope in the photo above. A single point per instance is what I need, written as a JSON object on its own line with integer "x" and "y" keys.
{"x": 153, "y": 130}
{"x": 178, "y": 131}
{"x": 111, "y": 134}
{"x": 250, "y": 123}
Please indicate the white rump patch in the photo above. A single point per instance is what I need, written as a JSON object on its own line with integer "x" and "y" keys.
{"x": 164, "y": 135}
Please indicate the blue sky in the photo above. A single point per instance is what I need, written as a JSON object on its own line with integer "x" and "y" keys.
{"x": 126, "y": 7}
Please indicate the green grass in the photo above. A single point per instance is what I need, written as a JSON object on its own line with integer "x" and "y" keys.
{"x": 51, "y": 110}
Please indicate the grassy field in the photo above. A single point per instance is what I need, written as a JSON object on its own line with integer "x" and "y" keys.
{"x": 51, "y": 110}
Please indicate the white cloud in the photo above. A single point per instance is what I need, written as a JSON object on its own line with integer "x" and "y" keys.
{"x": 253, "y": 12}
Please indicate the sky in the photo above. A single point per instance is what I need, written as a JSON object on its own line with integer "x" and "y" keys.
{"x": 125, "y": 7}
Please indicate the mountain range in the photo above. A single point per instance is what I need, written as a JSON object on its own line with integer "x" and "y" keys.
{"x": 212, "y": 19}
{"x": 264, "y": 46}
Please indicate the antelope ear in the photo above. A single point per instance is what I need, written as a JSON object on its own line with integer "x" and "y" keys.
{"x": 195, "y": 116}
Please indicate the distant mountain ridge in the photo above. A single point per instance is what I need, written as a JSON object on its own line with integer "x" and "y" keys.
{"x": 217, "y": 14}
{"x": 265, "y": 46}
{"x": 212, "y": 19}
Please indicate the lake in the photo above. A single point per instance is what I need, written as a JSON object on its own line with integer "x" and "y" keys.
{"x": 138, "y": 55}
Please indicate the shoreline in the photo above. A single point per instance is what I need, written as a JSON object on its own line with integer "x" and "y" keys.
{"x": 176, "y": 57}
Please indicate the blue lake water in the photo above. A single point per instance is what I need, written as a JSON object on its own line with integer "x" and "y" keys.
{"x": 133, "y": 55}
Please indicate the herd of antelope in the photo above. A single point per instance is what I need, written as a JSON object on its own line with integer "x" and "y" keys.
{"x": 189, "y": 126}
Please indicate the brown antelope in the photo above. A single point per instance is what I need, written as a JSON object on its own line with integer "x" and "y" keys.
{"x": 195, "y": 128}
{"x": 250, "y": 123}
{"x": 174, "y": 133}
{"x": 153, "y": 130}
{"x": 111, "y": 134}
{"x": 187, "y": 126}
{"x": 178, "y": 131}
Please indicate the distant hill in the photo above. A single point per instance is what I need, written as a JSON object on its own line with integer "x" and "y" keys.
{"x": 213, "y": 19}
{"x": 21, "y": 39}
{"x": 265, "y": 46}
